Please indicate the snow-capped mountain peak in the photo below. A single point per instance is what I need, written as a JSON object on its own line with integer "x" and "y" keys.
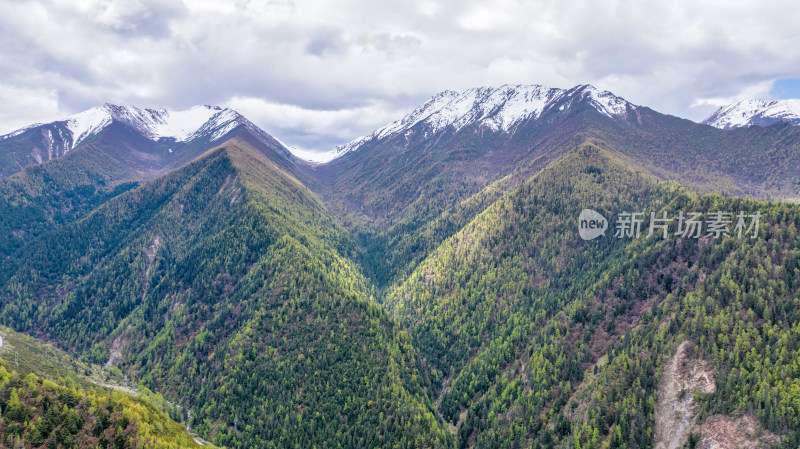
{"x": 495, "y": 108}
{"x": 182, "y": 125}
{"x": 155, "y": 124}
{"x": 151, "y": 139}
{"x": 87, "y": 123}
{"x": 163, "y": 123}
{"x": 604, "y": 101}
{"x": 754, "y": 112}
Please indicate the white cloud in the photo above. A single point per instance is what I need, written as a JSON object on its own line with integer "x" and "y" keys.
{"x": 327, "y": 72}
{"x": 23, "y": 107}
{"x": 487, "y": 17}
{"x": 309, "y": 129}
{"x": 758, "y": 90}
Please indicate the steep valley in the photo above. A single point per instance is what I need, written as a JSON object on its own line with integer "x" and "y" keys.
{"x": 428, "y": 288}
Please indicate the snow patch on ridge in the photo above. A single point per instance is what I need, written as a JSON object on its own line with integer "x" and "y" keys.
{"x": 19, "y": 131}
{"x": 87, "y": 123}
{"x": 220, "y": 124}
{"x": 163, "y": 123}
{"x": 606, "y": 102}
{"x": 180, "y": 125}
{"x": 313, "y": 156}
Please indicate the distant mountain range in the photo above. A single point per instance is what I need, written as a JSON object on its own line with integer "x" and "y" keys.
{"x": 427, "y": 288}
{"x": 755, "y": 113}
{"x": 156, "y": 124}
{"x": 157, "y": 139}
{"x": 493, "y": 108}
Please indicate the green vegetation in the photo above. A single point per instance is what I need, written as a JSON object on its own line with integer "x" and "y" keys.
{"x": 396, "y": 303}
{"x": 514, "y": 310}
{"x": 40, "y": 413}
{"x": 49, "y": 399}
{"x": 26, "y": 356}
{"x": 45, "y": 197}
{"x": 228, "y": 287}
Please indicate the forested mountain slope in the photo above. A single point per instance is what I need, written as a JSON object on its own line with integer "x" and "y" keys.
{"x": 50, "y": 399}
{"x": 46, "y": 196}
{"x": 401, "y": 193}
{"x": 429, "y": 288}
{"x": 41, "y": 413}
{"x": 227, "y": 286}
{"x": 513, "y": 312}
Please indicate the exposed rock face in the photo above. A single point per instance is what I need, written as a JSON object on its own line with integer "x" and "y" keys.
{"x": 743, "y": 432}
{"x": 116, "y": 353}
{"x": 676, "y": 410}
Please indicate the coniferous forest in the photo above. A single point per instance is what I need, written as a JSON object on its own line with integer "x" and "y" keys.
{"x": 434, "y": 294}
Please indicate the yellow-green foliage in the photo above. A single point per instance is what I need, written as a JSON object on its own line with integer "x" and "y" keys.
{"x": 38, "y": 412}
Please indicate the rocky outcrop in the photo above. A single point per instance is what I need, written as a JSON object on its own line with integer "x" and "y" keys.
{"x": 676, "y": 411}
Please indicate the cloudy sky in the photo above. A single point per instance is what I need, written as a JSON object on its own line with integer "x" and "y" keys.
{"x": 317, "y": 73}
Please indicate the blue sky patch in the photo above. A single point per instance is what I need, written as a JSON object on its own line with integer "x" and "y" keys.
{"x": 786, "y": 88}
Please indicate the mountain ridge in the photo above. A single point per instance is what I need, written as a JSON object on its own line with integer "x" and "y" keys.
{"x": 155, "y": 124}
{"x": 755, "y": 112}
{"x": 426, "y": 290}
{"x": 152, "y": 136}
{"x": 497, "y": 108}
{"x": 230, "y": 268}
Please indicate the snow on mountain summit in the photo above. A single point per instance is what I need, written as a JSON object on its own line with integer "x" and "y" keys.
{"x": 496, "y": 108}
{"x": 87, "y": 123}
{"x": 754, "y": 112}
{"x": 163, "y": 123}
{"x": 183, "y": 125}
{"x": 153, "y": 123}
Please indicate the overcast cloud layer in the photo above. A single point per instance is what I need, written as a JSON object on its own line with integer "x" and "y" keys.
{"x": 318, "y": 73}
